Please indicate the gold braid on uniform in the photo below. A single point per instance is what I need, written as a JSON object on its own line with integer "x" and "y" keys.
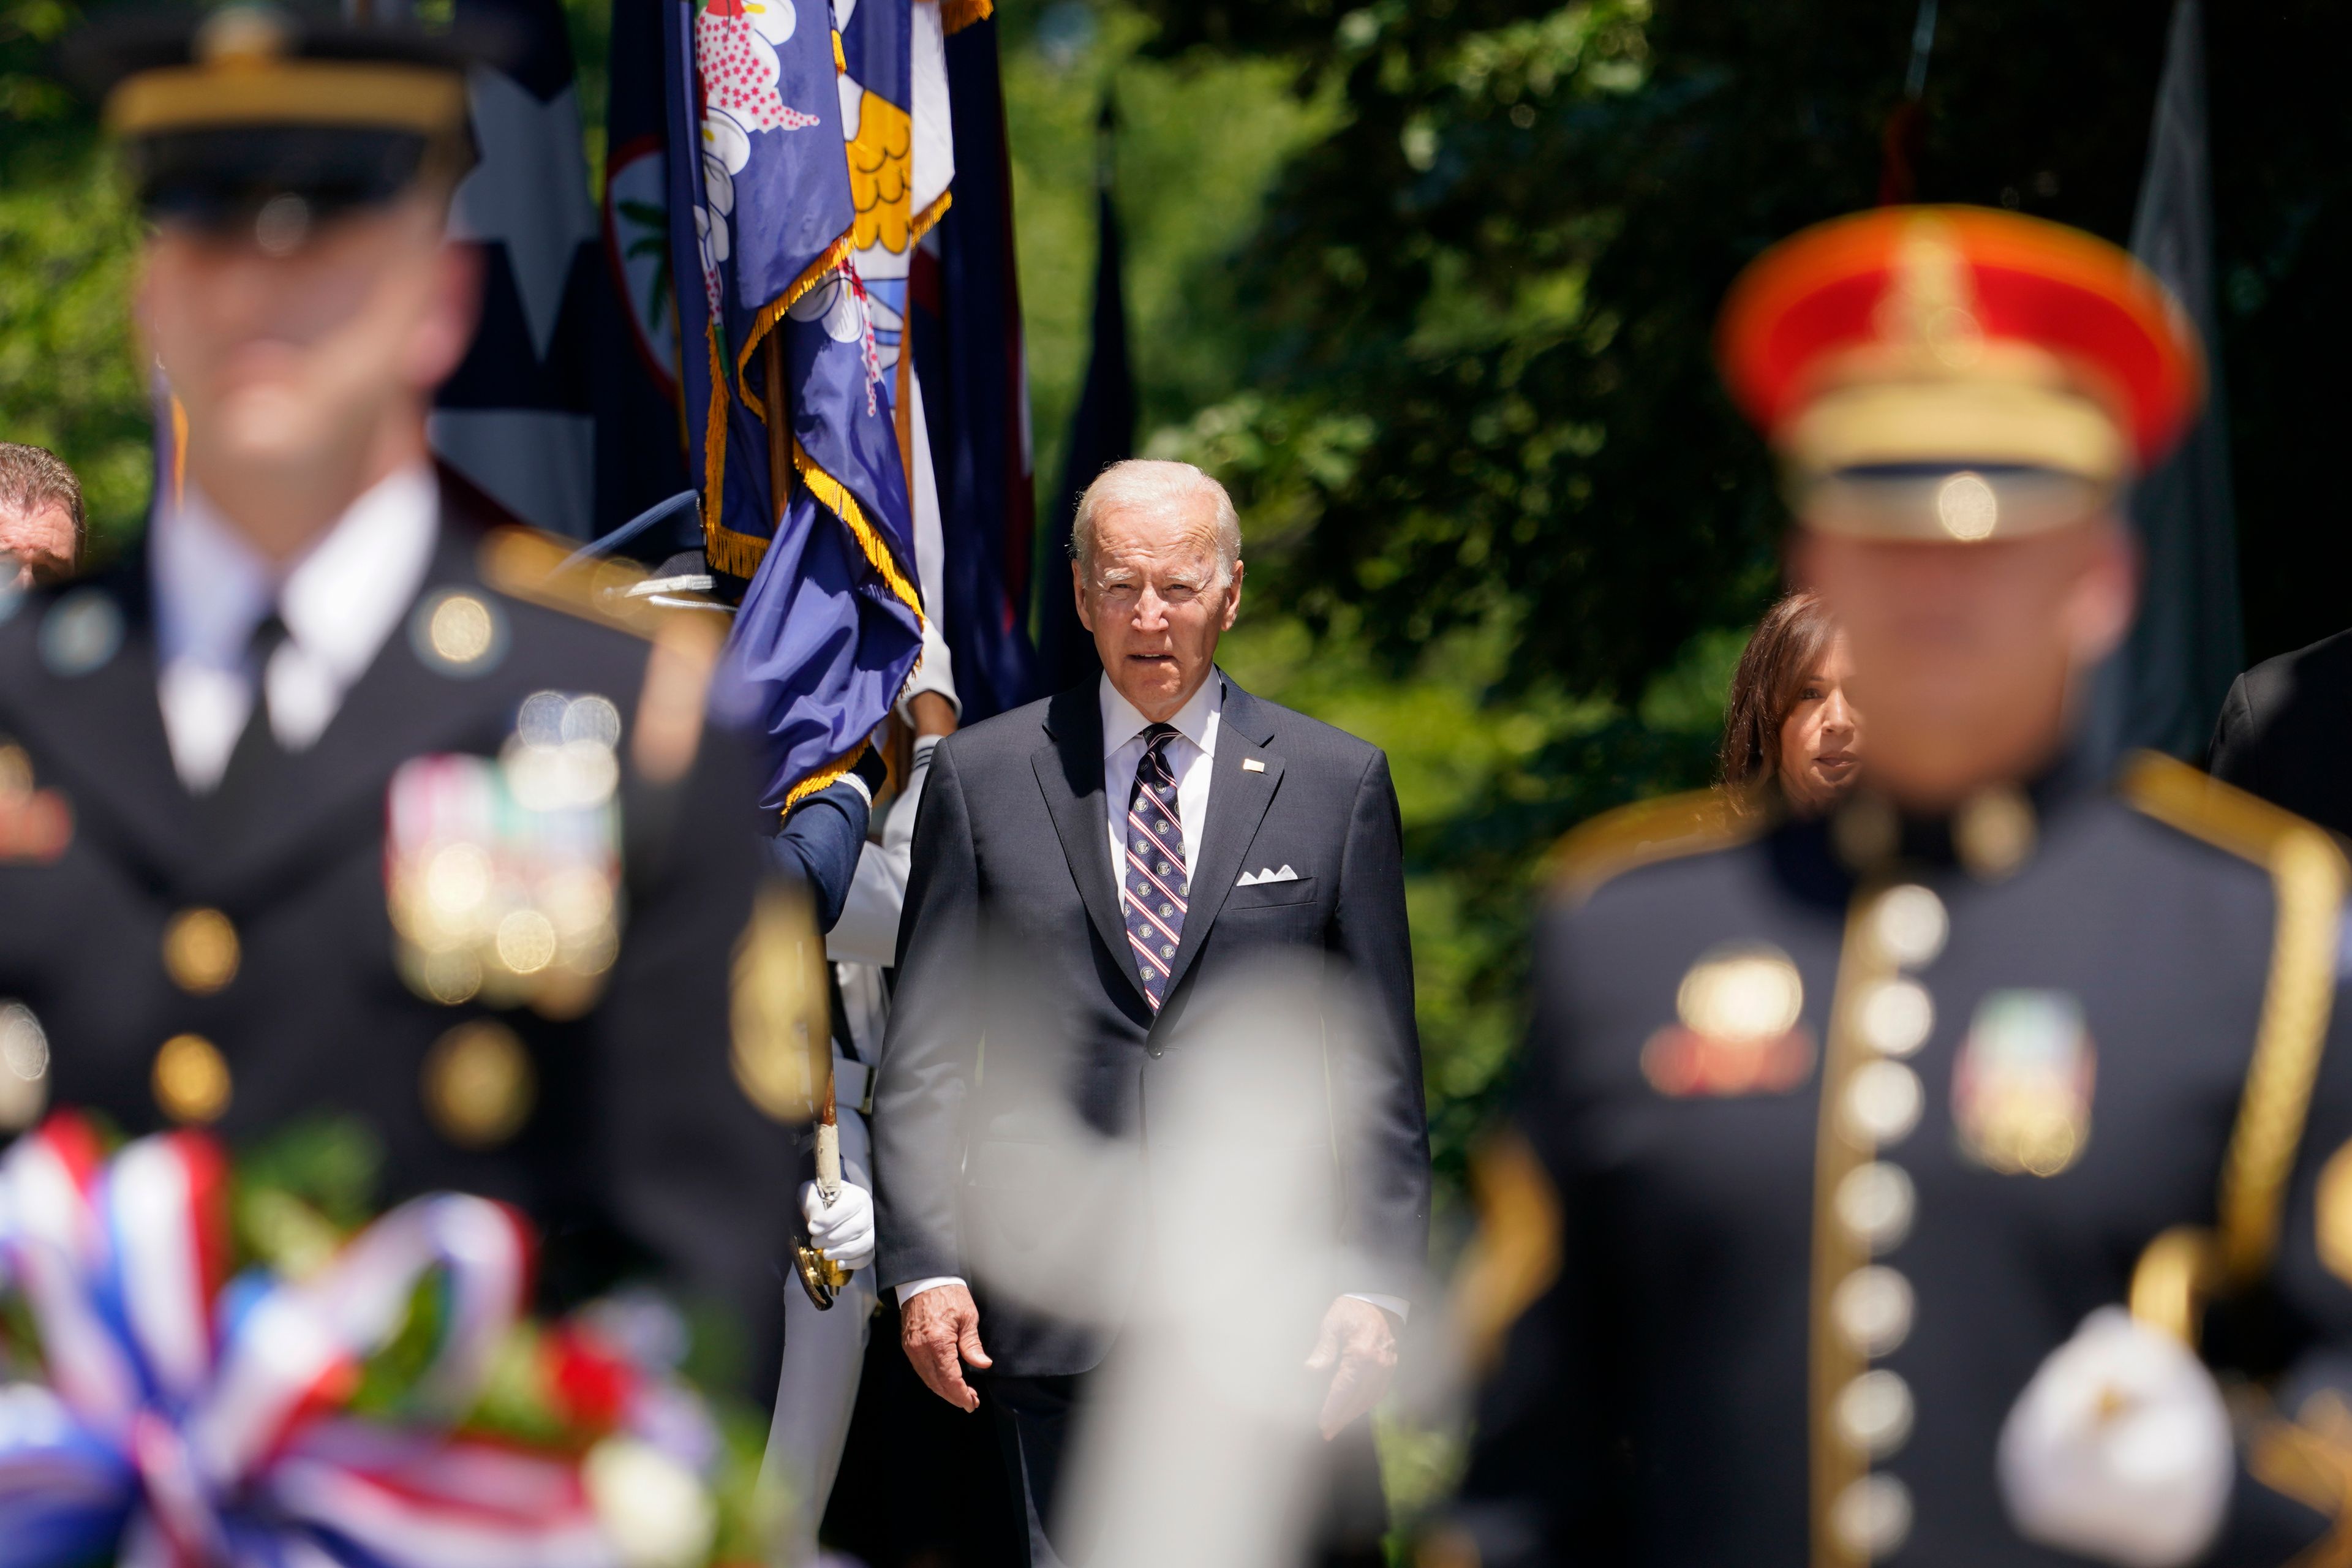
{"x": 1648, "y": 832}
{"x": 525, "y": 564}
{"x": 2308, "y": 877}
{"x": 2310, "y": 1460}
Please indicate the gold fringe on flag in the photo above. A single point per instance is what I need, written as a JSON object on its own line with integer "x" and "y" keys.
{"x": 929, "y": 216}
{"x": 837, "y": 498}
{"x": 714, "y": 447}
{"x": 831, "y": 774}
{"x": 834, "y": 255}
{"x": 957, "y": 14}
{"x": 739, "y": 554}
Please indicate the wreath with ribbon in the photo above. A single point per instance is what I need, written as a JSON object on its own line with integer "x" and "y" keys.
{"x": 385, "y": 1402}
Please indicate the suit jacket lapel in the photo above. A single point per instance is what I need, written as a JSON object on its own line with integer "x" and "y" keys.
{"x": 1237, "y": 801}
{"x": 1070, "y": 772}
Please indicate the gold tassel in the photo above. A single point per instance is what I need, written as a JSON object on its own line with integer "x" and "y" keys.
{"x": 957, "y": 14}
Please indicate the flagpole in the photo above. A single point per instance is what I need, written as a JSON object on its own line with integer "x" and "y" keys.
{"x": 780, "y": 439}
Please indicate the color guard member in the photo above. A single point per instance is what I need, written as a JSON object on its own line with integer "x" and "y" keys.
{"x": 1877, "y": 1178}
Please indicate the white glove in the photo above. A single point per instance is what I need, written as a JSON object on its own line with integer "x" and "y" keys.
{"x": 2119, "y": 1448}
{"x": 844, "y": 1229}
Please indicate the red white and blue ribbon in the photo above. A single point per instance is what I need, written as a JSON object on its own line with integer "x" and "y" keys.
{"x": 188, "y": 1421}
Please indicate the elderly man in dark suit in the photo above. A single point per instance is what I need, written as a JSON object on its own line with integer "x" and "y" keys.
{"x": 1125, "y": 844}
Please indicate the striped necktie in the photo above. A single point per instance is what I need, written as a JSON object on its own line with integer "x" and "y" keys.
{"x": 1155, "y": 881}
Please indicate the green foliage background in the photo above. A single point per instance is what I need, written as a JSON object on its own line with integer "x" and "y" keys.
{"x": 1431, "y": 283}
{"x": 68, "y": 377}
{"x": 1300, "y": 326}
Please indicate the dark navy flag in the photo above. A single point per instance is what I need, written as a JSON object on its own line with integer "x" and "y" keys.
{"x": 1102, "y": 431}
{"x": 965, "y": 311}
{"x": 633, "y": 337}
{"x": 2165, "y": 688}
{"x": 760, "y": 219}
{"x": 515, "y": 419}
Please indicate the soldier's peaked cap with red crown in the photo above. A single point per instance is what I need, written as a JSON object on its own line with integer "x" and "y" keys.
{"x": 1957, "y": 373}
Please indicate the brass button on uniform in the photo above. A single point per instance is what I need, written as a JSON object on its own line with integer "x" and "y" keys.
{"x": 1881, "y": 1104}
{"x": 1874, "y": 1202}
{"x": 1910, "y": 925}
{"x": 458, "y": 634}
{"x": 1873, "y": 1412}
{"x": 1897, "y": 1016}
{"x": 479, "y": 1085}
{"x": 23, "y": 1067}
{"x": 190, "y": 1080}
{"x": 1994, "y": 831}
{"x": 1872, "y": 1308}
{"x": 201, "y": 950}
{"x": 1865, "y": 832}
{"x": 1872, "y": 1516}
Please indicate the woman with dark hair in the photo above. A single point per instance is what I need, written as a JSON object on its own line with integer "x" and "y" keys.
{"x": 1790, "y": 725}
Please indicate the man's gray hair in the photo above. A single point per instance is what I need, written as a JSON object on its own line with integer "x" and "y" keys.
{"x": 32, "y": 477}
{"x": 1153, "y": 484}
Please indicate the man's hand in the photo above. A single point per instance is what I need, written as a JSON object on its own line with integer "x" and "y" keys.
{"x": 1360, "y": 1340}
{"x": 939, "y": 1330}
{"x": 844, "y": 1229}
{"x": 2119, "y": 1448}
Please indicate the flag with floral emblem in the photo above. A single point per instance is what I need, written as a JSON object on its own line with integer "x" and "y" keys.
{"x": 761, "y": 214}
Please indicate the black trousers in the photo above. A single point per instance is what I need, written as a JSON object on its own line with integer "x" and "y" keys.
{"x": 1037, "y": 1425}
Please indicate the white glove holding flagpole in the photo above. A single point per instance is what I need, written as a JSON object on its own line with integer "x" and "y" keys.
{"x": 842, "y": 1228}
{"x": 2120, "y": 1447}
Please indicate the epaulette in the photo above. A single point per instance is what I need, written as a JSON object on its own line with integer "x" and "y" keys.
{"x": 2308, "y": 1456}
{"x": 2308, "y": 879}
{"x": 1647, "y": 832}
{"x": 526, "y": 565}
{"x": 2218, "y": 813}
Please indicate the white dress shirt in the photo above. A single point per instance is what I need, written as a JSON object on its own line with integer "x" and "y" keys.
{"x": 339, "y": 600}
{"x": 1190, "y": 757}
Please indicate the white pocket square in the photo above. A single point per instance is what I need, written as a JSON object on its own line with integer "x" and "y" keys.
{"x": 1259, "y": 878}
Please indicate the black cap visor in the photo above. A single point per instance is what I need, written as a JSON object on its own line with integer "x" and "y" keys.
{"x": 220, "y": 177}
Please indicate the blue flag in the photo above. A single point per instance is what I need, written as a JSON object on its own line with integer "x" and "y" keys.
{"x": 965, "y": 305}
{"x": 515, "y": 418}
{"x": 762, "y": 219}
{"x": 633, "y": 365}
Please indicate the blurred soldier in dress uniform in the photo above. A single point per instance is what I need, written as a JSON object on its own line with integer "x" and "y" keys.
{"x": 1877, "y": 1178}
{"x": 334, "y": 800}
